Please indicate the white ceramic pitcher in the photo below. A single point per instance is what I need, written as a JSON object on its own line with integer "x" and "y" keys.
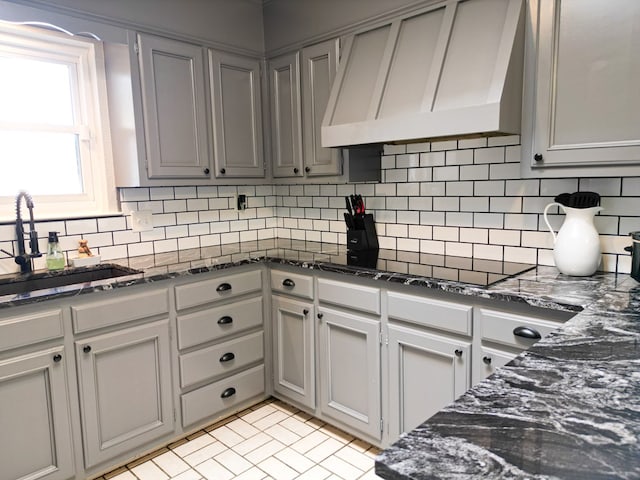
{"x": 576, "y": 249}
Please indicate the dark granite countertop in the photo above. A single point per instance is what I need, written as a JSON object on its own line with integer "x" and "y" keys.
{"x": 566, "y": 408}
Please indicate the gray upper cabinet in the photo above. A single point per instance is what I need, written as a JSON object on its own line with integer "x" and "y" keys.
{"x": 237, "y": 115}
{"x": 286, "y": 135}
{"x": 174, "y": 108}
{"x": 34, "y": 417}
{"x": 582, "y": 101}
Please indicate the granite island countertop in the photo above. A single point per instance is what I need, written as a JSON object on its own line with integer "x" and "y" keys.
{"x": 567, "y": 408}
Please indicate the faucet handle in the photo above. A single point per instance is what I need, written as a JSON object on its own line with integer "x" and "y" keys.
{"x": 33, "y": 244}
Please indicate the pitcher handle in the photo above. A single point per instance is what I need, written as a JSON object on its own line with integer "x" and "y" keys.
{"x": 546, "y": 220}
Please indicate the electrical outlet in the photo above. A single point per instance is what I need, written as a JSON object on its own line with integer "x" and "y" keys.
{"x": 141, "y": 221}
{"x": 241, "y": 202}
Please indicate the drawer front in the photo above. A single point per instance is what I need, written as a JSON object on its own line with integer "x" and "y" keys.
{"x": 218, "y": 322}
{"x": 292, "y": 284}
{"x": 215, "y": 398}
{"x": 207, "y": 291}
{"x": 119, "y": 309}
{"x": 447, "y": 316}
{"x": 21, "y": 330}
{"x": 220, "y": 359}
{"x": 357, "y": 297}
{"x": 512, "y": 329}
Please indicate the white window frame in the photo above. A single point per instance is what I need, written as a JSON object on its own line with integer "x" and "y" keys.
{"x": 99, "y": 195}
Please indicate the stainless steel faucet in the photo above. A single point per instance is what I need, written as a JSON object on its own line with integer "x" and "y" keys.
{"x": 24, "y": 259}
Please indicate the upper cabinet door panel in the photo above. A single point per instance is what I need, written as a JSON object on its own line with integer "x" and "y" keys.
{"x": 174, "y": 108}
{"x": 319, "y": 65}
{"x": 237, "y": 115}
{"x": 286, "y": 123}
{"x": 582, "y": 101}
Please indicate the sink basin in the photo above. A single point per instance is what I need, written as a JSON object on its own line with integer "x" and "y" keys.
{"x": 14, "y": 284}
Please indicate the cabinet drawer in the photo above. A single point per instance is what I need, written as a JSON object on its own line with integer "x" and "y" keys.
{"x": 448, "y": 316}
{"x": 292, "y": 284}
{"x": 490, "y": 359}
{"x": 220, "y": 359}
{"x": 119, "y": 309}
{"x": 213, "y": 323}
{"x": 228, "y": 286}
{"x": 217, "y": 397}
{"x": 357, "y": 297}
{"x": 21, "y": 330}
{"x": 503, "y": 327}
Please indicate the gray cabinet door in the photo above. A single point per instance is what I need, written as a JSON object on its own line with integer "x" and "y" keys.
{"x": 293, "y": 350}
{"x": 125, "y": 390}
{"x": 319, "y": 65}
{"x": 350, "y": 370}
{"x": 237, "y": 115}
{"x": 582, "y": 101}
{"x": 425, "y": 375}
{"x": 35, "y": 442}
{"x": 174, "y": 108}
{"x": 286, "y": 122}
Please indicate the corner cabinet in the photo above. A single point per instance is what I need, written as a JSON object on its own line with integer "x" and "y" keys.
{"x": 174, "y": 100}
{"x": 300, "y": 83}
{"x": 237, "y": 115}
{"x": 581, "y": 113}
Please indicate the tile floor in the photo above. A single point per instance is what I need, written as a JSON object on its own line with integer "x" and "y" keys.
{"x": 271, "y": 440}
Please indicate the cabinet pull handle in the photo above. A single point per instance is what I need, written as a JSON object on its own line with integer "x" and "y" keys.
{"x": 305, "y": 311}
{"x": 228, "y": 392}
{"x": 295, "y": 170}
{"x": 538, "y": 157}
{"x": 526, "y": 332}
{"x": 226, "y": 320}
{"x": 458, "y": 352}
{"x": 486, "y": 360}
{"x": 307, "y": 169}
{"x": 227, "y": 357}
{"x": 287, "y": 282}
{"x": 86, "y": 348}
{"x": 223, "y": 171}
{"x": 206, "y": 171}
{"x": 320, "y": 315}
{"x": 223, "y": 287}
{"x": 57, "y": 357}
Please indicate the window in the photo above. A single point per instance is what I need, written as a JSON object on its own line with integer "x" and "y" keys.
{"x": 54, "y": 129}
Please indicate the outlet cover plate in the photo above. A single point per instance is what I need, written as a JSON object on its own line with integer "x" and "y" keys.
{"x": 141, "y": 221}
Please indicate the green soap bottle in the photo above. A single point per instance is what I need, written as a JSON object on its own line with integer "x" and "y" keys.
{"x": 55, "y": 257}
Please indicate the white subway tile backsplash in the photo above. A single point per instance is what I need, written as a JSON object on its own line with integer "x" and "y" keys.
{"x": 522, "y": 188}
{"x": 432, "y": 246}
{"x": 474, "y": 172}
{"x": 421, "y": 232}
{"x": 506, "y": 204}
{"x": 459, "y": 219}
{"x": 489, "y": 252}
{"x": 408, "y": 217}
{"x": 164, "y": 219}
{"x": 621, "y": 206}
{"x": 459, "y": 189}
{"x": 504, "y": 140}
{"x": 444, "y": 145}
{"x": 432, "y": 159}
{"x": 185, "y": 192}
{"x": 112, "y": 253}
{"x": 631, "y": 186}
{"x": 394, "y": 149}
{"x": 408, "y": 244}
{"x": 520, "y": 221}
{"x": 432, "y": 218}
{"x": 397, "y": 203}
{"x": 418, "y": 147}
{"x": 446, "y": 204}
{"x": 520, "y": 254}
{"x": 472, "y": 143}
{"x": 474, "y": 204}
{"x": 504, "y": 171}
{"x": 387, "y": 161}
{"x": 420, "y": 174}
{"x": 110, "y": 224}
{"x": 178, "y": 231}
{"x": 407, "y": 161}
{"x": 138, "y": 249}
{"x": 504, "y": 237}
{"x": 445, "y": 233}
{"x": 552, "y": 187}
{"x": 186, "y": 217}
{"x": 421, "y": 203}
{"x": 459, "y": 157}
{"x": 446, "y": 174}
{"x": 186, "y": 243}
{"x": 459, "y": 249}
{"x": 395, "y": 175}
{"x": 82, "y": 227}
{"x": 488, "y": 220}
{"x": 134, "y": 194}
{"x": 161, "y": 193}
{"x": 432, "y": 189}
{"x": 489, "y": 155}
{"x": 175, "y": 206}
{"x": 474, "y": 235}
{"x": 385, "y": 189}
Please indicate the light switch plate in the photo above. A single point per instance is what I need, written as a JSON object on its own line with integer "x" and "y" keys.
{"x": 141, "y": 221}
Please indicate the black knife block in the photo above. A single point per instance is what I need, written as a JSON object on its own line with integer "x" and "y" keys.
{"x": 363, "y": 236}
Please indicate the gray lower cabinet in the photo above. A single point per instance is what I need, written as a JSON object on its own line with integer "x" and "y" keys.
{"x": 125, "y": 390}
{"x": 426, "y": 373}
{"x": 35, "y": 442}
{"x": 350, "y": 370}
{"x": 293, "y": 350}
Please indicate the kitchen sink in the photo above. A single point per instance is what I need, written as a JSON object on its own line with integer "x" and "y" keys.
{"x": 18, "y": 283}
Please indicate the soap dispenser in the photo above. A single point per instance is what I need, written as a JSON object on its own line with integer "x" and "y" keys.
{"x": 55, "y": 257}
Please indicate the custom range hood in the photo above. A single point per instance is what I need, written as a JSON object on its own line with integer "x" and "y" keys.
{"x": 452, "y": 69}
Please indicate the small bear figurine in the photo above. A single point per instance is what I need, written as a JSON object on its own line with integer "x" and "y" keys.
{"x": 83, "y": 249}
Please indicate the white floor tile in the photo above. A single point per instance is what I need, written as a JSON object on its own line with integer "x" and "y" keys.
{"x": 259, "y": 413}
{"x": 270, "y": 420}
{"x": 282, "y": 434}
{"x": 193, "y": 445}
{"x": 360, "y": 445}
{"x": 254, "y": 473}
{"x": 252, "y": 443}
{"x": 315, "y": 473}
{"x": 204, "y": 454}
{"x": 296, "y": 426}
{"x": 149, "y": 471}
{"x": 233, "y": 462}
{"x": 171, "y": 464}
{"x": 190, "y": 474}
{"x": 295, "y": 460}
{"x": 355, "y": 458}
{"x": 310, "y": 441}
{"x": 285, "y": 407}
{"x": 243, "y": 428}
{"x": 227, "y": 436}
{"x": 322, "y": 451}
{"x": 277, "y": 469}
{"x": 124, "y": 476}
{"x": 341, "y": 468}
{"x": 267, "y": 450}
{"x": 336, "y": 433}
{"x": 212, "y": 470}
{"x": 370, "y": 475}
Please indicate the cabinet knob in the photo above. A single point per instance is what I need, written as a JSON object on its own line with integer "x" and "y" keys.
{"x": 307, "y": 169}
{"x": 287, "y": 282}
{"x": 226, "y": 320}
{"x": 57, "y": 357}
{"x": 305, "y": 311}
{"x": 227, "y": 357}
{"x": 228, "y": 392}
{"x": 86, "y": 348}
{"x": 320, "y": 315}
{"x": 296, "y": 170}
{"x": 223, "y": 287}
{"x": 223, "y": 171}
{"x": 538, "y": 157}
{"x": 527, "y": 332}
{"x": 486, "y": 360}
{"x": 206, "y": 171}
{"x": 458, "y": 352}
